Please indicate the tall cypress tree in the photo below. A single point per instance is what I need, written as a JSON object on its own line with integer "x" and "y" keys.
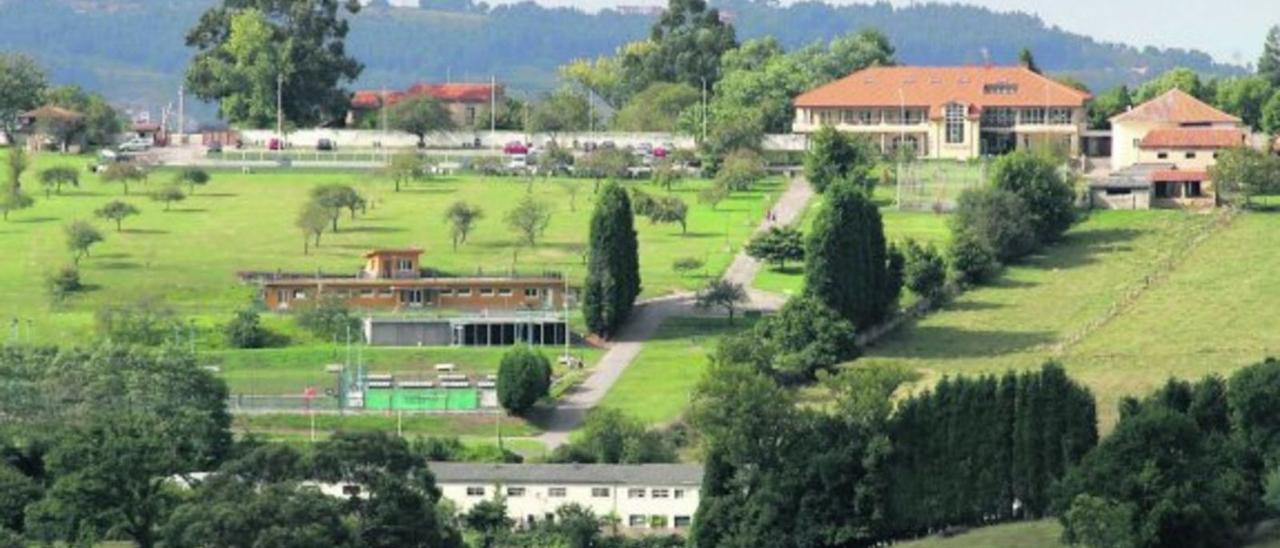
{"x": 613, "y": 267}
{"x": 1269, "y": 63}
{"x": 847, "y": 265}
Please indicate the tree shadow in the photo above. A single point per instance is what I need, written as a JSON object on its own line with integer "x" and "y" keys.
{"x": 143, "y": 231}
{"x": 404, "y": 190}
{"x": 112, "y": 256}
{"x": 116, "y": 265}
{"x": 698, "y": 235}
{"x": 187, "y": 210}
{"x": 78, "y": 194}
{"x": 33, "y": 220}
{"x": 215, "y": 195}
{"x": 371, "y": 230}
{"x": 942, "y": 343}
{"x": 971, "y": 306}
{"x": 1084, "y": 248}
{"x": 789, "y": 270}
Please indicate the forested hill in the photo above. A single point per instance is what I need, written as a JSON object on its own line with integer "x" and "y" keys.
{"x": 132, "y": 50}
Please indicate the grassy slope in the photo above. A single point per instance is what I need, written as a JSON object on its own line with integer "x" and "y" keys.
{"x": 1010, "y": 535}
{"x": 1217, "y": 312}
{"x": 1018, "y": 321}
{"x": 657, "y": 387}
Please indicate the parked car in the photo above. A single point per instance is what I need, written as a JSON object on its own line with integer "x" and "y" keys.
{"x": 326, "y": 144}
{"x": 517, "y": 162}
{"x": 515, "y": 147}
{"x": 214, "y": 147}
{"x": 275, "y": 144}
{"x": 135, "y": 144}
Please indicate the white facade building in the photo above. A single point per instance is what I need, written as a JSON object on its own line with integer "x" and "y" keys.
{"x": 659, "y": 497}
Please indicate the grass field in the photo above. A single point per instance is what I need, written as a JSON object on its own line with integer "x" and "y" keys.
{"x": 188, "y": 257}
{"x": 1031, "y": 312}
{"x": 657, "y": 386}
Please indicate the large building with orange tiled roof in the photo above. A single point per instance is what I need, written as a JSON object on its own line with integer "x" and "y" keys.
{"x": 949, "y": 112}
{"x": 464, "y": 101}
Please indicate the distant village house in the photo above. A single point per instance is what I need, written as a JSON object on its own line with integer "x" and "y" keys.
{"x": 465, "y": 102}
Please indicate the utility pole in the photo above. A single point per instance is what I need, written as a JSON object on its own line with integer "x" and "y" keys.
{"x": 182, "y": 111}
{"x": 493, "y": 110}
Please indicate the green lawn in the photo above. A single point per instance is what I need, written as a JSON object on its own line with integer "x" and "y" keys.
{"x": 1026, "y": 534}
{"x": 295, "y": 425}
{"x": 657, "y": 386}
{"x": 189, "y": 256}
{"x": 1022, "y": 318}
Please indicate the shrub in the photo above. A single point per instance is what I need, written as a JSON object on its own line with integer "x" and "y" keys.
{"x": 524, "y": 377}
{"x": 970, "y": 260}
{"x": 63, "y": 282}
{"x": 245, "y": 330}
{"x": 741, "y": 169}
{"x": 611, "y": 437}
{"x": 329, "y": 319}
{"x": 925, "y": 272}
{"x": 1047, "y": 194}
{"x": 777, "y": 245}
{"x": 147, "y": 322}
{"x": 804, "y": 337}
{"x": 999, "y": 220}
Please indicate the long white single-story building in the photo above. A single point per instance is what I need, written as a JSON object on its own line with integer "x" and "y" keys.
{"x": 659, "y": 497}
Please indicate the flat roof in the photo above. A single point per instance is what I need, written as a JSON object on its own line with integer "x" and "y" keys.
{"x": 608, "y": 474}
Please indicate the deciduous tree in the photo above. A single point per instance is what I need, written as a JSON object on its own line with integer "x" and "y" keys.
{"x": 312, "y": 220}
{"x": 116, "y": 211}
{"x": 1036, "y": 180}
{"x": 529, "y": 219}
{"x": 192, "y": 177}
{"x": 80, "y": 237}
{"x": 22, "y": 83}
{"x": 722, "y": 294}
{"x": 421, "y": 116}
{"x": 168, "y": 195}
{"x": 777, "y": 245}
{"x": 53, "y": 179}
{"x": 124, "y": 173}
{"x": 462, "y": 217}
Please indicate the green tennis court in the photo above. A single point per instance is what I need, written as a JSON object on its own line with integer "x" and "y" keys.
{"x": 422, "y": 399}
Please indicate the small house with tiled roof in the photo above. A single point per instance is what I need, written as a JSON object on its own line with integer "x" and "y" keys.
{"x": 464, "y": 101}
{"x": 948, "y": 112}
{"x": 1161, "y": 152}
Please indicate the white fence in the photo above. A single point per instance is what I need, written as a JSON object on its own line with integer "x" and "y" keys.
{"x": 359, "y": 138}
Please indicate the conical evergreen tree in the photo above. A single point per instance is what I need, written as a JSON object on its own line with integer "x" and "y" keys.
{"x": 613, "y": 267}
{"x": 1269, "y": 63}
{"x": 847, "y": 265}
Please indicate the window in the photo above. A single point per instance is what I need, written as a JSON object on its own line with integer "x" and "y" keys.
{"x": 1060, "y": 116}
{"x": 366, "y": 293}
{"x": 475, "y": 491}
{"x": 556, "y": 492}
{"x": 658, "y": 522}
{"x": 1033, "y": 115}
{"x": 1193, "y": 190}
{"x": 464, "y": 291}
{"x": 299, "y": 294}
{"x": 471, "y": 115}
{"x": 599, "y": 492}
{"x": 504, "y": 292}
{"x": 955, "y": 123}
{"x": 531, "y": 292}
{"x": 682, "y": 521}
{"x": 486, "y": 292}
{"x": 446, "y": 291}
{"x": 1119, "y": 191}
{"x": 1162, "y": 155}
{"x": 404, "y": 265}
{"x": 677, "y": 494}
{"x": 999, "y": 117}
{"x": 635, "y": 493}
{"x": 637, "y": 520}
{"x": 914, "y": 116}
{"x": 864, "y": 117}
{"x": 661, "y": 493}
{"x": 1191, "y": 155}
{"x": 515, "y": 492}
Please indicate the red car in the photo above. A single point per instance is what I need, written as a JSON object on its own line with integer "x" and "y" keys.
{"x": 275, "y": 144}
{"x": 515, "y": 147}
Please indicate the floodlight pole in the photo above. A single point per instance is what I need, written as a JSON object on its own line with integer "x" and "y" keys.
{"x": 704, "y": 109}
{"x": 280, "y": 107}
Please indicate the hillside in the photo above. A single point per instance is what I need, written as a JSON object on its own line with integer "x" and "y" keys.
{"x": 132, "y": 50}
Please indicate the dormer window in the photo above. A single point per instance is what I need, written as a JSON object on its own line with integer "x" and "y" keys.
{"x": 404, "y": 265}
{"x": 1000, "y": 88}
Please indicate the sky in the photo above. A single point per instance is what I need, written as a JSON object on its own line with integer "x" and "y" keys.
{"x": 1230, "y": 30}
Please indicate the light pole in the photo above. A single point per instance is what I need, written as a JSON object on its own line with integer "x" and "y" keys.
{"x": 280, "y": 107}
{"x": 704, "y": 109}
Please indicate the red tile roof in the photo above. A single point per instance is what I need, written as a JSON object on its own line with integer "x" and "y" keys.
{"x": 1190, "y": 137}
{"x": 404, "y": 251}
{"x": 1175, "y": 106}
{"x": 373, "y": 99}
{"x": 934, "y": 87}
{"x": 456, "y": 93}
{"x": 1177, "y": 176}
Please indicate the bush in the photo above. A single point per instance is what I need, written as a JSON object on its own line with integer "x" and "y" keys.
{"x": 611, "y": 437}
{"x": 804, "y": 337}
{"x": 1048, "y": 196}
{"x": 329, "y": 319}
{"x": 970, "y": 261}
{"x": 997, "y": 219}
{"x": 925, "y": 272}
{"x": 63, "y": 282}
{"x": 147, "y": 322}
{"x": 524, "y": 377}
{"x": 245, "y": 330}
{"x": 777, "y": 245}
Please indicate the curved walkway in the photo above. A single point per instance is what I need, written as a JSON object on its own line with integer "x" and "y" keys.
{"x": 558, "y": 422}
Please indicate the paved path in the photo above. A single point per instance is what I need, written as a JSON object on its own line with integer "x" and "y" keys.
{"x": 557, "y": 423}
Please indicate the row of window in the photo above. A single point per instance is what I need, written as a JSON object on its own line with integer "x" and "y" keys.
{"x": 1009, "y": 117}
{"x": 657, "y": 521}
{"x": 299, "y": 294}
{"x": 1190, "y": 155}
{"x": 488, "y": 292}
{"x": 866, "y": 117}
{"x": 596, "y": 492}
